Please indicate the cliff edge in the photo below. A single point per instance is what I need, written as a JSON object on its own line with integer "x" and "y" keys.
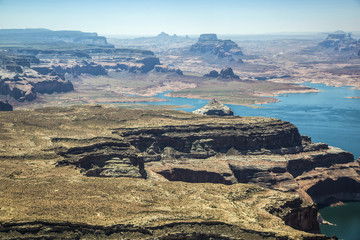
{"x": 111, "y": 172}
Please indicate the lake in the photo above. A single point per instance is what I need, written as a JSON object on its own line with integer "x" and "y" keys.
{"x": 346, "y": 219}
{"x": 329, "y": 117}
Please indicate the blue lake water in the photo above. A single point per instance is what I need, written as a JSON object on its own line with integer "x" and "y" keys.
{"x": 346, "y": 219}
{"x": 327, "y": 117}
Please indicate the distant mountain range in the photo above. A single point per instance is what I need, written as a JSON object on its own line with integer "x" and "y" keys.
{"x": 41, "y": 35}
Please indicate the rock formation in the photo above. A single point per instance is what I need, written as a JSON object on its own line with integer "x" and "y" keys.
{"x": 264, "y": 151}
{"x": 212, "y": 74}
{"x": 227, "y": 73}
{"x": 339, "y": 41}
{"x": 214, "y": 107}
{"x": 166, "y": 69}
{"x": 75, "y": 70}
{"x": 25, "y": 84}
{"x": 222, "y": 49}
{"x": 171, "y": 150}
{"x": 5, "y": 106}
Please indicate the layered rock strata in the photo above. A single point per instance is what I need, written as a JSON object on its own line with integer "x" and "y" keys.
{"x": 96, "y": 149}
{"x": 339, "y": 41}
{"x": 25, "y": 86}
{"x": 222, "y": 49}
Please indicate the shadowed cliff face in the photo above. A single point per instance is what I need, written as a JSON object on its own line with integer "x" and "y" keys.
{"x": 79, "y": 146}
{"x": 193, "y": 148}
{"x": 5, "y": 106}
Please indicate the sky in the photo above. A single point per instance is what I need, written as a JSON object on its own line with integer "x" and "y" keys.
{"x": 182, "y": 17}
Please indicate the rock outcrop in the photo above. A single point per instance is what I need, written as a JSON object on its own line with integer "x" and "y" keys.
{"x": 148, "y": 63}
{"x": 166, "y": 69}
{"x": 5, "y": 106}
{"x": 77, "y": 70}
{"x": 212, "y": 74}
{"x": 225, "y": 73}
{"x": 228, "y": 73}
{"x": 339, "y": 41}
{"x": 214, "y": 107}
{"x": 163, "y": 152}
{"x": 267, "y": 152}
{"x": 222, "y": 49}
{"x": 25, "y": 86}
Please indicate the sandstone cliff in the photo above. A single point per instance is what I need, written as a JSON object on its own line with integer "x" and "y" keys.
{"x": 25, "y": 86}
{"x": 79, "y": 161}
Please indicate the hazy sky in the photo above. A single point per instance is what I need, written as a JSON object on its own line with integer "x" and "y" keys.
{"x": 150, "y": 17}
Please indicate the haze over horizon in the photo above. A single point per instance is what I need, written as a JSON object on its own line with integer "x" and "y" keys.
{"x": 143, "y": 17}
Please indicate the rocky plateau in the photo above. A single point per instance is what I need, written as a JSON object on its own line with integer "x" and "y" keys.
{"x": 80, "y": 172}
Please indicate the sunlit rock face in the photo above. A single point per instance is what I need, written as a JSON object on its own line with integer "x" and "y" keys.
{"x": 214, "y": 107}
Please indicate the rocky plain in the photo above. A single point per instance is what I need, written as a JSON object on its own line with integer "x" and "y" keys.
{"x": 73, "y": 165}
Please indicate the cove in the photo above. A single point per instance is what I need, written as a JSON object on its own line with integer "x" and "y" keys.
{"x": 346, "y": 219}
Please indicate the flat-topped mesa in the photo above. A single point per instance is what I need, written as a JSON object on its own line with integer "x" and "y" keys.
{"x": 223, "y": 49}
{"x": 339, "y": 41}
{"x": 208, "y": 37}
{"x": 214, "y": 107}
{"x": 39, "y": 35}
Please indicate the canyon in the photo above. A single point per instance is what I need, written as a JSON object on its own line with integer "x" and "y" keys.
{"x": 99, "y": 171}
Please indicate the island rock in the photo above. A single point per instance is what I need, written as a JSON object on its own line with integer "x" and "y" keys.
{"x": 214, "y": 107}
